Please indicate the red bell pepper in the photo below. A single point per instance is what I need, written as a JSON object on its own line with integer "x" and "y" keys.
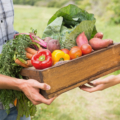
{"x": 42, "y": 59}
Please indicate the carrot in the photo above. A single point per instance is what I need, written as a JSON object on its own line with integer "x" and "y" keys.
{"x": 28, "y": 55}
{"x": 15, "y": 102}
{"x": 40, "y": 48}
{"x": 17, "y": 61}
{"x": 30, "y": 50}
{"x": 29, "y": 64}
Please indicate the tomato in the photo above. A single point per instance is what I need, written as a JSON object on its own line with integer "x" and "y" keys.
{"x": 65, "y": 50}
{"x": 86, "y": 49}
{"x": 75, "y": 52}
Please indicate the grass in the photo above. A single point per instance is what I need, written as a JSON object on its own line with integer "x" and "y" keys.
{"x": 32, "y": 17}
{"x": 75, "y": 104}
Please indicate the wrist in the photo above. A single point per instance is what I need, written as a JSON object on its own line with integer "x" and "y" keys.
{"x": 20, "y": 84}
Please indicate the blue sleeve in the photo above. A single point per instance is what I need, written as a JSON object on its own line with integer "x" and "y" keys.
{"x": 16, "y": 32}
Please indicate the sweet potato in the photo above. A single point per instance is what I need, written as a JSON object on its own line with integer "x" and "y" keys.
{"x": 81, "y": 39}
{"x": 110, "y": 41}
{"x": 98, "y": 35}
{"x": 98, "y": 43}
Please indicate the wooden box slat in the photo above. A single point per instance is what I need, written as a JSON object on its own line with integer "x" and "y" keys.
{"x": 77, "y": 72}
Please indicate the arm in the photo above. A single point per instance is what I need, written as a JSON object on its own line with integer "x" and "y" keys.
{"x": 29, "y": 87}
{"x": 102, "y": 84}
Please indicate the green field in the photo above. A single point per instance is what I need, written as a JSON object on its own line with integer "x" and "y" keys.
{"x": 75, "y": 104}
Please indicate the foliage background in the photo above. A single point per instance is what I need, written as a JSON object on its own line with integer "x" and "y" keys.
{"x": 106, "y": 9}
{"x": 77, "y": 104}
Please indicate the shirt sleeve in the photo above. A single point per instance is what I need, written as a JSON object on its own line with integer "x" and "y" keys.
{"x": 16, "y": 32}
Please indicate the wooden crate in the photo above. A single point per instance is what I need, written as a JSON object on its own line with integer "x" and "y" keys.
{"x": 76, "y": 72}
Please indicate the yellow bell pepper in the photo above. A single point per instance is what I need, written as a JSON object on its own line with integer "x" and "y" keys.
{"x": 58, "y": 55}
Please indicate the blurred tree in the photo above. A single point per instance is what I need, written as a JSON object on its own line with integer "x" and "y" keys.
{"x": 49, "y": 3}
{"x": 116, "y": 9}
{"x": 99, "y": 7}
{"x": 106, "y": 9}
{"x": 84, "y": 4}
{"x": 25, "y": 2}
{"x": 56, "y": 3}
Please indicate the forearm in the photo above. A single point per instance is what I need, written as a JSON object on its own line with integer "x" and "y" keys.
{"x": 101, "y": 84}
{"x": 117, "y": 79}
{"x": 31, "y": 88}
{"x": 7, "y": 82}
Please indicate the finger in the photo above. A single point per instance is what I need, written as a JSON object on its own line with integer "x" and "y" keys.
{"x": 41, "y": 99}
{"x": 99, "y": 81}
{"x": 47, "y": 101}
{"x": 91, "y": 84}
{"x": 84, "y": 86}
{"x": 93, "y": 89}
{"x": 104, "y": 81}
{"x": 36, "y": 103}
{"x": 42, "y": 86}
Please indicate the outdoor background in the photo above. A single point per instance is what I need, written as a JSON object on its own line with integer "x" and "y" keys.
{"x": 75, "y": 104}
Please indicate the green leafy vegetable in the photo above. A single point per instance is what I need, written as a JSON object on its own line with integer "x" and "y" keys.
{"x": 72, "y": 15}
{"x": 68, "y": 38}
{"x": 15, "y": 47}
{"x": 54, "y": 28}
{"x": 71, "y": 21}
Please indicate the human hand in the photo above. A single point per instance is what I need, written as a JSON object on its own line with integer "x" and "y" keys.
{"x": 31, "y": 89}
{"x": 101, "y": 84}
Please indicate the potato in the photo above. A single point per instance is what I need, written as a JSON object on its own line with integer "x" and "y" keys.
{"x": 98, "y": 43}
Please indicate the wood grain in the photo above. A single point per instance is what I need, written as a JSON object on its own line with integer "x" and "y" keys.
{"x": 77, "y": 72}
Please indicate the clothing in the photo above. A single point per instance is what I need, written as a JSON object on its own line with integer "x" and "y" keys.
{"x": 6, "y": 21}
{"x": 12, "y": 115}
{"x": 2, "y": 107}
{"x": 7, "y": 33}
{"x": 6, "y": 25}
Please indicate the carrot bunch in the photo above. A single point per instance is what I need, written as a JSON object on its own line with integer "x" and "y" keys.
{"x": 26, "y": 63}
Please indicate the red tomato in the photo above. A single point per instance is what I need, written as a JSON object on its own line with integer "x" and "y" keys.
{"x": 86, "y": 49}
{"x": 65, "y": 50}
{"x": 75, "y": 52}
